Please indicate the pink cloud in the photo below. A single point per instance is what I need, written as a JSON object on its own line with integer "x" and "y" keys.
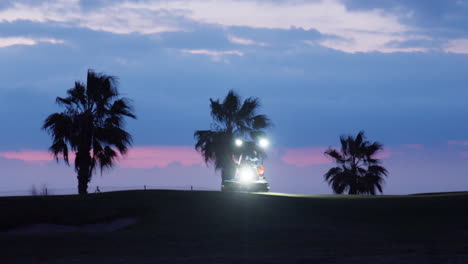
{"x": 144, "y": 157}
{"x": 303, "y": 157}
{"x": 454, "y": 142}
{"x": 33, "y": 156}
{"x": 413, "y": 146}
{"x": 138, "y": 157}
{"x": 386, "y": 153}
{"x": 464, "y": 154}
{"x": 160, "y": 156}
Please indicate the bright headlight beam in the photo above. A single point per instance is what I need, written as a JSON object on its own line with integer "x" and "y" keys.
{"x": 246, "y": 175}
{"x": 239, "y": 142}
{"x": 264, "y": 143}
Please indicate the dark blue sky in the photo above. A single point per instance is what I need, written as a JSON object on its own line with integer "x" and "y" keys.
{"x": 396, "y": 69}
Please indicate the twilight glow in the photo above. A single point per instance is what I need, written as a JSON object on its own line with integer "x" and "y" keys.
{"x": 322, "y": 68}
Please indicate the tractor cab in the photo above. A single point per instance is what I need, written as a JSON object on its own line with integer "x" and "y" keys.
{"x": 249, "y": 173}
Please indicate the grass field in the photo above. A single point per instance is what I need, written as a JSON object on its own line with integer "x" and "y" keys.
{"x": 215, "y": 227}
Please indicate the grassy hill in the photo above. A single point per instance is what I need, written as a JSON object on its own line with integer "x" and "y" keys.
{"x": 201, "y": 227}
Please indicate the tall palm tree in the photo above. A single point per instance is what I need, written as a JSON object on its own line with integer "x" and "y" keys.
{"x": 358, "y": 170}
{"x": 231, "y": 118}
{"x": 91, "y": 126}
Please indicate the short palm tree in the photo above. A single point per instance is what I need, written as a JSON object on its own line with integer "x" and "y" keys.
{"x": 231, "y": 118}
{"x": 91, "y": 126}
{"x": 358, "y": 170}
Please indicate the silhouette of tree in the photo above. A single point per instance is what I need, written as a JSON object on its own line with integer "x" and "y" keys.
{"x": 91, "y": 126}
{"x": 358, "y": 171}
{"x": 232, "y": 118}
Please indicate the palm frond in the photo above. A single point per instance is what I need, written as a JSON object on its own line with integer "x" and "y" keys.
{"x": 231, "y": 103}
{"x": 217, "y": 110}
{"x": 248, "y": 109}
{"x": 59, "y": 147}
{"x": 344, "y": 145}
{"x": 106, "y": 158}
{"x": 92, "y": 124}
{"x": 372, "y": 149}
{"x": 77, "y": 96}
{"x": 360, "y": 172}
{"x": 205, "y": 144}
{"x": 334, "y": 154}
{"x": 360, "y": 138}
{"x": 122, "y": 107}
{"x": 330, "y": 175}
{"x": 261, "y": 122}
{"x": 231, "y": 119}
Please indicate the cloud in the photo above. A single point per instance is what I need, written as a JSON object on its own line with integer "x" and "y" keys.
{"x": 12, "y": 41}
{"x": 373, "y": 41}
{"x": 310, "y": 156}
{"x": 160, "y": 156}
{"x": 214, "y": 52}
{"x": 244, "y": 41}
{"x": 454, "y": 142}
{"x": 139, "y": 157}
{"x": 303, "y": 157}
{"x": 460, "y": 143}
{"x": 348, "y": 26}
{"x": 459, "y": 46}
{"x": 357, "y": 30}
{"x": 58, "y": 10}
{"x": 386, "y": 153}
{"x": 111, "y": 17}
{"x": 31, "y": 156}
{"x": 216, "y": 55}
{"x": 345, "y": 25}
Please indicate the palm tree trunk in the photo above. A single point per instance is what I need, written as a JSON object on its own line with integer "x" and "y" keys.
{"x": 228, "y": 172}
{"x": 82, "y": 182}
{"x": 82, "y": 165}
{"x": 225, "y": 174}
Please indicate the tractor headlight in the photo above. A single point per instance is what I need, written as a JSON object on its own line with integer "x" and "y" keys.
{"x": 263, "y": 142}
{"x": 239, "y": 142}
{"x": 246, "y": 175}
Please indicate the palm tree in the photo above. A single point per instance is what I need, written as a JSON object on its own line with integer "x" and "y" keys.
{"x": 91, "y": 126}
{"x": 358, "y": 170}
{"x": 231, "y": 118}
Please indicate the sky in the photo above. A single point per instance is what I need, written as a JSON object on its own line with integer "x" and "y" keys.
{"x": 323, "y": 68}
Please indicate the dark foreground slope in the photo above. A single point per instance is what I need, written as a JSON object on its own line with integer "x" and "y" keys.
{"x": 214, "y": 227}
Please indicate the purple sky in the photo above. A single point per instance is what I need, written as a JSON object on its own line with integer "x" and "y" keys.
{"x": 396, "y": 69}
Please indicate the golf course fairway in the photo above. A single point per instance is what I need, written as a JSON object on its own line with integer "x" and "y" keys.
{"x": 162, "y": 226}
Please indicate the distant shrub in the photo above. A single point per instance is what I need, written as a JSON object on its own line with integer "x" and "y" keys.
{"x": 42, "y": 192}
{"x": 34, "y": 191}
